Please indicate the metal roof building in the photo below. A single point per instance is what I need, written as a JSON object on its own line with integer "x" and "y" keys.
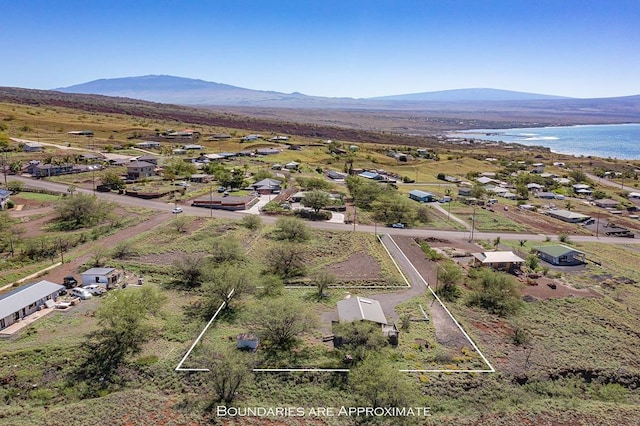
{"x": 359, "y": 308}
{"x": 26, "y": 300}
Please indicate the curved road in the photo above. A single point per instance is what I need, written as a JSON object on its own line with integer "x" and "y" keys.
{"x": 196, "y": 211}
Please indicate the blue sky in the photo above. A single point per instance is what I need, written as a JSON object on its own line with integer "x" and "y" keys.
{"x": 351, "y": 48}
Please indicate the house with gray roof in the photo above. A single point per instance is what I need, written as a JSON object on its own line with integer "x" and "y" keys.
{"x": 26, "y": 300}
{"x": 266, "y": 186}
{"x": 560, "y": 255}
{"x": 140, "y": 169}
{"x": 363, "y": 309}
{"x": 106, "y": 277}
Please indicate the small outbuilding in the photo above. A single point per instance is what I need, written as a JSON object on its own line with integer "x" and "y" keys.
{"x": 106, "y": 277}
{"x": 247, "y": 341}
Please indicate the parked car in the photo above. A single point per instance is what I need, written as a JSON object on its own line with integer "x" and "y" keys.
{"x": 222, "y": 189}
{"x": 398, "y": 225}
{"x": 177, "y": 210}
{"x": 81, "y": 293}
{"x": 95, "y": 289}
{"x": 69, "y": 282}
{"x": 445, "y": 199}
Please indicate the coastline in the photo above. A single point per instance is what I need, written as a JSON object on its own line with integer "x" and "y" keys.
{"x": 619, "y": 141}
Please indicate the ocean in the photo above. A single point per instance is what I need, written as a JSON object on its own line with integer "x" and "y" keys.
{"x": 607, "y": 141}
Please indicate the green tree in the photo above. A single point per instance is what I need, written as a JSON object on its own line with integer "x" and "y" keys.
{"x": 279, "y": 322}
{"x": 496, "y": 292}
{"x": 359, "y": 338}
{"x": 112, "y": 180}
{"x": 392, "y": 208}
{"x": 251, "y": 221}
{"x": 188, "y": 271}
{"x": 225, "y": 283}
{"x": 449, "y": 275}
{"x": 123, "y": 329}
{"x": 316, "y": 200}
{"x": 291, "y": 229}
{"x": 363, "y": 192}
{"x": 81, "y": 211}
{"x": 286, "y": 261}
{"x": 229, "y": 370}
{"x": 377, "y": 384}
{"x": 176, "y": 168}
{"x": 313, "y": 183}
{"x": 322, "y": 280}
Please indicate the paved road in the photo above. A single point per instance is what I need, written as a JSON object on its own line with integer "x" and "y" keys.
{"x": 424, "y": 233}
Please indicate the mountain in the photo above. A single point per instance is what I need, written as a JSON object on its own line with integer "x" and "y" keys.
{"x": 469, "y": 95}
{"x": 177, "y": 90}
{"x": 186, "y": 91}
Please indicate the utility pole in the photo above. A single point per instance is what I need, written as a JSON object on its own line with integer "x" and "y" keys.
{"x": 211, "y": 201}
{"x": 473, "y": 223}
{"x": 355, "y": 215}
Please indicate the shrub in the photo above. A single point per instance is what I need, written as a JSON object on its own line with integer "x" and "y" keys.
{"x": 496, "y": 292}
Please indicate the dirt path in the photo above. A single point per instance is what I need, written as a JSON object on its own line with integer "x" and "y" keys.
{"x": 87, "y": 251}
{"x": 447, "y": 332}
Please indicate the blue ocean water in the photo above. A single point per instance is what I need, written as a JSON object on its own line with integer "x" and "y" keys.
{"x": 608, "y": 141}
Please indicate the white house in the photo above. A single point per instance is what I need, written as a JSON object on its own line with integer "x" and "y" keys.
{"x": 26, "y": 300}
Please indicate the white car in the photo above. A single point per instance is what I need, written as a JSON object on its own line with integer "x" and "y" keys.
{"x": 95, "y": 289}
{"x": 81, "y": 293}
{"x": 177, "y": 210}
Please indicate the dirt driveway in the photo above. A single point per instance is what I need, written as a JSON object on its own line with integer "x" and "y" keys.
{"x": 87, "y": 251}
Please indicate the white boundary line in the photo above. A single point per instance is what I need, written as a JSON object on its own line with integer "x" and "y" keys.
{"x": 346, "y": 370}
{"x": 490, "y": 370}
{"x": 204, "y": 330}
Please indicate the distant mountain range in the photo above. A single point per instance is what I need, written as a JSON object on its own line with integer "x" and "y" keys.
{"x": 186, "y": 91}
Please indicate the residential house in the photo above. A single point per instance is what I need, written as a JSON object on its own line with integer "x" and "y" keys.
{"x": 89, "y": 157}
{"x": 148, "y": 158}
{"x": 534, "y": 187}
{"x": 32, "y": 147}
{"x": 219, "y": 136}
{"x": 250, "y": 138}
{"x": 266, "y": 186}
{"x": 4, "y": 197}
{"x": 421, "y": 196}
{"x": 192, "y": 147}
{"x": 226, "y": 202}
{"x": 606, "y": 203}
{"x": 371, "y": 175}
{"x": 87, "y": 133}
{"x": 568, "y": 216}
{"x": 362, "y": 309}
{"x": 561, "y": 255}
{"x": 336, "y": 175}
{"x": 484, "y": 180}
{"x": 140, "y": 170}
{"x": 465, "y": 192}
{"x": 292, "y": 165}
{"x": 500, "y": 260}
{"x": 148, "y": 144}
{"x": 26, "y": 300}
{"x": 201, "y": 178}
{"x": 36, "y": 169}
{"x": 106, "y": 277}
{"x": 546, "y": 195}
{"x": 267, "y": 151}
